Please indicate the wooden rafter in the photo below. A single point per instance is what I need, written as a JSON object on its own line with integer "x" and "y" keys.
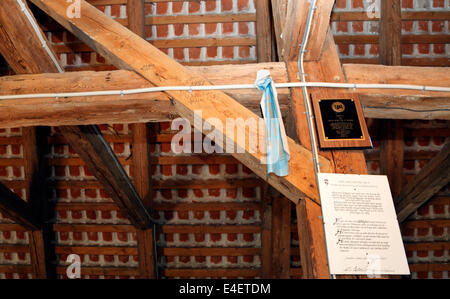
{"x": 17, "y": 209}
{"x": 263, "y": 31}
{"x": 297, "y": 13}
{"x": 432, "y": 178}
{"x": 127, "y": 50}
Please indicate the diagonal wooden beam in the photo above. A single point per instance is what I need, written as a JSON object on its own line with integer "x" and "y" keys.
{"x": 17, "y": 209}
{"x": 432, "y": 178}
{"x": 294, "y": 28}
{"x": 126, "y": 50}
{"x": 19, "y": 46}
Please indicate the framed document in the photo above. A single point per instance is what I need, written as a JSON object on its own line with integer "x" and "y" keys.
{"x": 340, "y": 122}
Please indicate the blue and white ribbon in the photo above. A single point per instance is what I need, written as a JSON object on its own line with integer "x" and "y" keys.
{"x": 277, "y": 148}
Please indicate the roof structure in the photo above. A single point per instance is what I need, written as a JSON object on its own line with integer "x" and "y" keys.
{"x": 140, "y": 64}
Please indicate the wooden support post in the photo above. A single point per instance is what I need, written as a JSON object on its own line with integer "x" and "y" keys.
{"x": 33, "y": 142}
{"x": 432, "y": 178}
{"x": 281, "y": 237}
{"x": 266, "y": 232}
{"x": 297, "y": 13}
{"x": 392, "y": 152}
{"x": 141, "y": 158}
{"x": 279, "y": 11}
{"x": 263, "y": 31}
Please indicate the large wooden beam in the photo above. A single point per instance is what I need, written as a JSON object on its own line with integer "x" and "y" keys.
{"x": 263, "y": 31}
{"x": 141, "y": 158}
{"x": 17, "y": 209}
{"x": 297, "y": 13}
{"x": 390, "y": 32}
{"x": 279, "y": 11}
{"x": 126, "y": 50}
{"x": 432, "y": 178}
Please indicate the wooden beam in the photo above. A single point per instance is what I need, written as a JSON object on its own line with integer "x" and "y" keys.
{"x": 141, "y": 157}
{"x": 263, "y": 31}
{"x": 432, "y": 178}
{"x": 127, "y": 50}
{"x": 279, "y": 11}
{"x": 281, "y": 237}
{"x": 392, "y": 154}
{"x": 377, "y": 103}
{"x": 266, "y": 232}
{"x": 34, "y": 148}
{"x": 297, "y": 13}
{"x": 390, "y": 32}
{"x": 17, "y": 209}
{"x": 103, "y": 164}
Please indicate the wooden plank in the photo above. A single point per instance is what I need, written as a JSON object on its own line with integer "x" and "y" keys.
{"x": 208, "y": 251}
{"x": 263, "y": 31}
{"x": 15, "y": 208}
{"x": 279, "y": 11}
{"x": 281, "y": 237}
{"x": 103, "y": 164}
{"x": 295, "y": 27}
{"x": 390, "y": 32}
{"x": 392, "y": 155}
{"x": 266, "y": 232}
{"x": 34, "y": 149}
{"x": 126, "y": 50}
{"x": 202, "y": 18}
{"x": 102, "y": 271}
{"x": 432, "y": 178}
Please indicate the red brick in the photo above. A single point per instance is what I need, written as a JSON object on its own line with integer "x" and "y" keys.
{"x": 216, "y": 259}
{"x": 244, "y": 51}
{"x": 243, "y": 28}
{"x": 74, "y": 170}
{"x": 439, "y": 49}
{"x": 92, "y": 236}
{"x": 437, "y": 26}
{"x": 100, "y": 59}
{"x": 439, "y": 209}
{"x": 182, "y": 193}
{"x": 423, "y": 231}
{"x": 162, "y": 30}
{"x": 119, "y": 148}
{"x": 87, "y": 172}
{"x": 214, "y": 192}
{"x": 248, "y": 215}
{"x": 357, "y": 4}
{"x": 168, "y": 215}
{"x": 91, "y": 193}
{"x": 3, "y": 149}
{"x": 199, "y": 237}
{"x": 108, "y": 258}
{"x": 438, "y": 3}
{"x": 423, "y": 26}
{"x": 437, "y": 274}
{"x": 424, "y": 48}
{"x": 231, "y": 193}
{"x": 215, "y": 237}
{"x": 214, "y": 169}
{"x": 115, "y": 11}
{"x": 178, "y": 53}
{"x": 3, "y": 171}
{"x": 210, "y": 5}
{"x": 214, "y": 215}
{"x": 211, "y": 52}
{"x": 407, "y": 26}
{"x": 242, "y": 5}
{"x": 77, "y": 236}
{"x": 166, "y": 170}
{"x": 248, "y": 237}
{"x": 360, "y": 50}
{"x": 341, "y": 4}
{"x": 227, "y": 28}
{"x": 76, "y": 214}
{"x": 107, "y": 236}
{"x": 248, "y": 192}
{"x": 120, "y": 215}
{"x": 437, "y": 231}
{"x": 407, "y": 49}
{"x": 161, "y": 8}
{"x": 424, "y": 210}
{"x": 226, "y": 5}
{"x": 183, "y": 237}
{"x": 231, "y": 237}
{"x": 6, "y": 235}
{"x": 194, "y": 53}
{"x": 165, "y": 147}
{"x": 344, "y": 49}
{"x": 422, "y": 253}
{"x": 148, "y": 32}
{"x": 15, "y": 149}
{"x": 246, "y": 170}
{"x": 183, "y": 215}
{"x": 358, "y": 26}
{"x": 122, "y": 236}
{"x": 422, "y": 275}
{"x": 177, "y": 7}
{"x": 194, "y": 7}
{"x": 197, "y": 192}
{"x": 104, "y": 194}
{"x": 91, "y": 215}
{"x": 166, "y": 193}
{"x": 57, "y": 37}
{"x": 194, "y": 29}
{"x": 342, "y": 26}
{"x": 407, "y": 3}
{"x": 210, "y": 28}
{"x": 248, "y": 258}
{"x": 181, "y": 169}
{"x": 231, "y": 215}
{"x": 438, "y": 253}
{"x": 199, "y": 215}
{"x": 17, "y": 171}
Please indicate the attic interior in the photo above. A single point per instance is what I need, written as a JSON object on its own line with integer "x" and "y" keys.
{"x": 96, "y": 175}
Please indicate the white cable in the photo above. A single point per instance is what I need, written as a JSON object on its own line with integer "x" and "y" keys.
{"x": 222, "y": 87}
{"x": 38, "y": 32}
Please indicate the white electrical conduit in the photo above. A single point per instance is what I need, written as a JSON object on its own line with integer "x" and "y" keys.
{"x": 222, "y": 87}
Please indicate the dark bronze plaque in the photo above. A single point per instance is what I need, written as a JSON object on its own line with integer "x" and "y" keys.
{"x": 340, "y": 119}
